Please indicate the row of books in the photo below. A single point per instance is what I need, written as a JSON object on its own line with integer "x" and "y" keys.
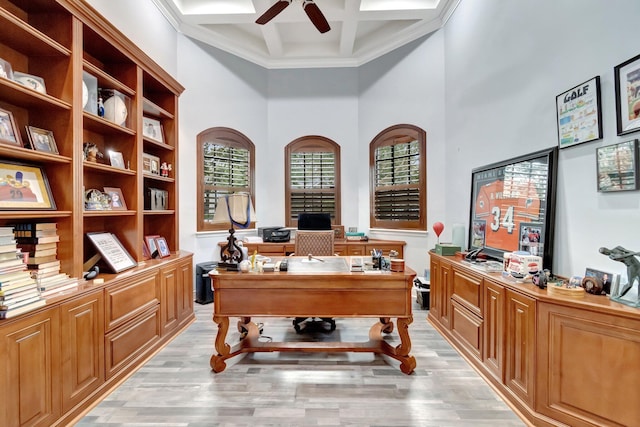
{"x": 29, "y": 268}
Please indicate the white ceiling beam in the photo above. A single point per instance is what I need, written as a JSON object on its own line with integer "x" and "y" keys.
{"x": 349, "y": 27}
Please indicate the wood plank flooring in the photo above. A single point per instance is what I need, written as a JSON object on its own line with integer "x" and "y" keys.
{"x": 178, "y": 389}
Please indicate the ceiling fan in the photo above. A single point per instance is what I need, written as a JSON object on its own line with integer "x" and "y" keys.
{"x": 311, "y": 9}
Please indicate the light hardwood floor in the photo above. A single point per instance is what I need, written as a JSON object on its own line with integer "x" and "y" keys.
{"x": 177, "y": 388}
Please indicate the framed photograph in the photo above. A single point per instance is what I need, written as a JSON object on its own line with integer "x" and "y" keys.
{"x": 163, "y": 247}
{"x": 116, "y": 159}
{"x": 32, "y": 82}
{"x": 618, "y": 166}
{"x": 42, "y": 140}
{"x": 117, "y": 199}
{"x": 112, "y": 251}
{"x": 8, "y": 130}
{"x": 6, "y": 71}
{"x": 514, "y": 199}
{"x": 579, "y": 114}
{"x": 609, "y": 280}
{"x": 152, "y": 129}
{"x": 150, "y": 164}
{"x": 145, "y": 251}
{"x": 627, "y": 84}
{"x": 24, "y": 187}
{"x": 150, "y": 240}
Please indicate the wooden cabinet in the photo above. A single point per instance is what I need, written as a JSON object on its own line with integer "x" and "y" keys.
{"x": 341, "y": 247}
{"x": 557, "y": 361}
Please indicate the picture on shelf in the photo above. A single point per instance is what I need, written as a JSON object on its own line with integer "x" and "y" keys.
{"x": 41, "y": 140}
{"x": 24, "y": 187}
{"x": 150, "y": 164}
{"x": 117, "y": 199}
{"x": 113, "y": 253}
{"x": 627, "y": 85}
{"x": 6, "y": 71}
{"x": 163, "y": 247}
{"x": 8, "y": 130}
{"x": 116, "y": 159}
{"x": 152, "y": 129}
{"x": 32, "y": 82}
{"x": 150, "y": 240}
{"x": 609, "y": 280}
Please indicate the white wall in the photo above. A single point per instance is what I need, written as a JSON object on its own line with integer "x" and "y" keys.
{"x": 505, "y": 64}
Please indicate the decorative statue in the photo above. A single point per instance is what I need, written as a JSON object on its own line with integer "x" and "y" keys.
{"x": 628, "y": 293}
{"x": 91, "y": 152}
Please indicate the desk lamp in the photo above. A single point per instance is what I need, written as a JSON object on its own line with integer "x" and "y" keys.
{"x": 236, "y": 209}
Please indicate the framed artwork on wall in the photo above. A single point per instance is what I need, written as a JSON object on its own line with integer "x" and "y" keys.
{"x": 618, "y": 166}
{"x": 627, "y": 83}
{"x": 579, "y": 114}
{"x": 513, "y": 206}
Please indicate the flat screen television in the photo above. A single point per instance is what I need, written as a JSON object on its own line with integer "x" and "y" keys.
{"x": 513, "y": 206}
{"x": 314, "y": 221}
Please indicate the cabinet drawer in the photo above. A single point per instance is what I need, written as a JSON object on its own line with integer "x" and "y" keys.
{"x": 466, "y": 328}
{"x": 123, "y": 302}
{"x": 467, "y": 290}
{"x": 125, "y": 343}
{"x": 340, "y": 249}
{"x": 270, "y": 249}
{"x": 355, "y": 250}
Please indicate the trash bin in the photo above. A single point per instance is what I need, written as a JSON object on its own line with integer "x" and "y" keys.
{"x": 204, "y": 293}
{"x": 423, "y": 292}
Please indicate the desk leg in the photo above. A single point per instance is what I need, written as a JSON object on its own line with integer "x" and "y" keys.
{"x": 401, "y": 351}
{"x": 388, "y": 325}
{"x": 223, "y": 349}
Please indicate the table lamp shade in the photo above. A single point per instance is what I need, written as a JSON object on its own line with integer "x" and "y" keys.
{"x": 235, "y": 209}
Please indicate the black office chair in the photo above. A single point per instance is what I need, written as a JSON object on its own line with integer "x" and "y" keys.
{"x": 315, "y": 243}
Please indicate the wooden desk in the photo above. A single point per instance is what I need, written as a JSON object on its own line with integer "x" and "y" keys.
{"x": 313, "y": 294}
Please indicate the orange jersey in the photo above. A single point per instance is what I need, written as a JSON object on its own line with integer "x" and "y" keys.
{"x": 504, "y": 208}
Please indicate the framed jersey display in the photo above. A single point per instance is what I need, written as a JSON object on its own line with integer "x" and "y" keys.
{"x": 513, "y": 206}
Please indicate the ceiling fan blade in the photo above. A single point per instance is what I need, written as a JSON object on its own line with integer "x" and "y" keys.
{"x": 273, "y": 11}
{"x": 315, "y": 15}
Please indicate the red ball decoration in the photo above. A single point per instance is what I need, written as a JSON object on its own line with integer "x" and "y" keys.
{"x": 438, "y": 227}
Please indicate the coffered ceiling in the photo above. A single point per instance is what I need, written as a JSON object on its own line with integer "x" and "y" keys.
{"x": 361, "y": 30}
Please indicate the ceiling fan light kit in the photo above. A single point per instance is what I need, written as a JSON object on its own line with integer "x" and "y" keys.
{"x": 310, "y": 8}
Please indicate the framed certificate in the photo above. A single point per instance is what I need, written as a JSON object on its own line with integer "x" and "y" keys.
{"x": 112, "y": 251}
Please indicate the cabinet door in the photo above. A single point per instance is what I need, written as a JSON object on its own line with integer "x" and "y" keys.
{"x": 493, "y": 349}
{"x": 169, "y": 285}
{"x": 82, "y": 329}
{"x": 520, "y": 343}
{"x": 31, "y": 385}
{"x": 440, "y": 302}
{"x": 185, "y": 290}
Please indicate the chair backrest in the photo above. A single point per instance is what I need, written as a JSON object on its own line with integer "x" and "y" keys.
{"x": 318, "y": 243}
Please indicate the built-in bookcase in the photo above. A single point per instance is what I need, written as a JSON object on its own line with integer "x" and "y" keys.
{"x": 61, "y": 41}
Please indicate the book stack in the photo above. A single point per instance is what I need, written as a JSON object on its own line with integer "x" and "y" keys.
{"x": 40, "y": 241}
{"x": 18, "y": 290}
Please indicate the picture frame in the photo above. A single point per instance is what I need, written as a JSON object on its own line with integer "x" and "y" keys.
{"x": 29, "y": 80}
{"x": 145, "y": 251}
{"x": 617, "y": 167}
{"x": 163, "y": 247}
{"x": 627, "y": 89}
{"x": 609, "y": 280}
{"x": 6, "y": 71}
{"x": 116, "y": 160}
{"x": 152, "y": 129}
{"x": 26, "y": 187}
{"x": 113, "y": 253}
{"x": 41, "y": 140}
{"x": 509, "y": 196}
{"x": 117, "y": 199}
{"x": 579, "y": 114}
{"x": 8, "y": 130}
{"x": 150, "y": 240}
{"x": 150, "y": 164}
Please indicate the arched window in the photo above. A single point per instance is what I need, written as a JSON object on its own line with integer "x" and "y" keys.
{"x": 226, "y": 164}
{"x": 398, "y": 178}
{"x": 312, "y": 178}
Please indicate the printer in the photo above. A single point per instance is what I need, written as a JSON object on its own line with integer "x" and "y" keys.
{"x": 274, "y": 234}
